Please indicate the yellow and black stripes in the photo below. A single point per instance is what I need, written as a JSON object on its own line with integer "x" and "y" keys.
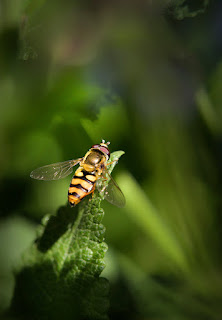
{"x": 82, "y": 184}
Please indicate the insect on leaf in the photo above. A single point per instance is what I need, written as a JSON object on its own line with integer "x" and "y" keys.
{"x": 60, "y": 277}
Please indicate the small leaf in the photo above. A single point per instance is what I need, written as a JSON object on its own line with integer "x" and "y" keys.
{"x": 181, "y": 9}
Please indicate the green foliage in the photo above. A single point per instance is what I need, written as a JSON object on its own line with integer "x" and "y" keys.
{"x": 147, "y": 78}
{"x": 181, "y": 9}
{"x": 60, "y": 275}
{"x": 209, "y": 101}
{"x": 150, "y": 221}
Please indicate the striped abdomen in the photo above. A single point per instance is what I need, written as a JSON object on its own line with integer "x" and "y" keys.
{"x": 82, "y": 184}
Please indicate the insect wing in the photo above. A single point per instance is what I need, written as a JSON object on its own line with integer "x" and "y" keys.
{"x": 54, "y": 171}
{"x": 113, "y": 194}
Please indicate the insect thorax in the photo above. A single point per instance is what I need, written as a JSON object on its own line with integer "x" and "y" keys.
{"x": 94, "y": 158}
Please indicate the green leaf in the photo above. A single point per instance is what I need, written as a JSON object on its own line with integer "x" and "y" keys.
{"x": 181, "y": 9}
{"x": 60, "y": 278}
{"x": 146, "y": 216}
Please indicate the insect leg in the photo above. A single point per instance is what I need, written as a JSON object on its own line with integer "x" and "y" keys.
{"x": 108, "y": 164}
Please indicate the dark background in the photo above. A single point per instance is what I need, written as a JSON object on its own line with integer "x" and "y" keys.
{"x": 146, "y": 76}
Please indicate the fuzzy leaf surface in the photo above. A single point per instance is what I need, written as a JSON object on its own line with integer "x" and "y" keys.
{"x": 60, "y": 276}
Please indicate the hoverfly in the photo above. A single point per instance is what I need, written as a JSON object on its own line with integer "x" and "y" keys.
{"x": 92, "y": 169}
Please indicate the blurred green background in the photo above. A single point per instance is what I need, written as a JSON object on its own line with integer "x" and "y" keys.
{"x": 146, "y": 76}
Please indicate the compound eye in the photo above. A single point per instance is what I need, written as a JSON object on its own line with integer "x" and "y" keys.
{"x": 105, "y": 150}
{"x": 95, "y": 146}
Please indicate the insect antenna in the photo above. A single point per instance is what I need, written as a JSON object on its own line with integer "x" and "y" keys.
{"x": 107, "y": 143}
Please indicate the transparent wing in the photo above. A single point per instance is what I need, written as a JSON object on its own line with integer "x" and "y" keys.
{"x": 54, "y": 171}
{"x": 113, "y": 193}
